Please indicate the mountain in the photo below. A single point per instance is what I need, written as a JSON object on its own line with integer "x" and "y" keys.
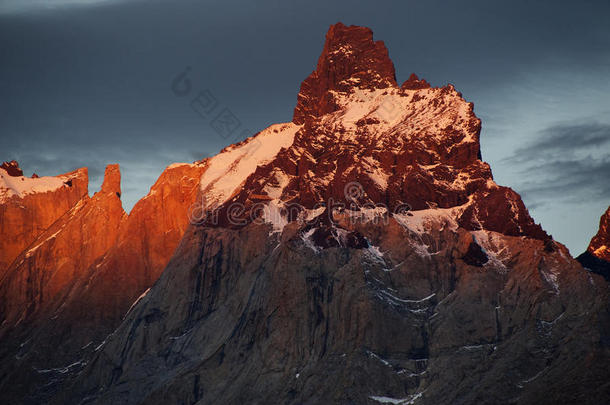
{"x": 597, "y": 256}
{"x": 72, "y": 285}
{"x": 43, "y": 272}
{"x": 360, "y": 254}
{"x": 28, "y": 206}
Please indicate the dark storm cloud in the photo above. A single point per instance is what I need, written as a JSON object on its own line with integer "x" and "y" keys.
{"x": 568, "y": 162}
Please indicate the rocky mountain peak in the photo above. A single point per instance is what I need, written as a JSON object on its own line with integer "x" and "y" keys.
{"x": 28, "y": 206}
{"x": 361, "y": 141}
{"x": 350, "y": 59}
{"x": 415, "y": 83}
{"x": 12, "y": 168}
{"x": 600, "y": 244}
{"x": 597, "y": 256}
{"x": 363, "y": 254}
{"x": 112, "y": 180}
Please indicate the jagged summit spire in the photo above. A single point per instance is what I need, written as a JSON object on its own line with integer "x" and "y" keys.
{"x": 350, "y": 58}
{"x": 415, "y": 83}
{"x": 600, "y": 244}
{"x": 597, "y": 256}
{"x": 12, "y": 168}
{"x": 112, "y": 179}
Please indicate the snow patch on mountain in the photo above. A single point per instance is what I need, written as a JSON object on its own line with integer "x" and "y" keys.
{"x": 396, "y": 401}
{"x": 278, "y": 181}
{"x": 421, "y": 221}
{"x": 21, "y": 186}
{"x": 307, "y": 238}
{"x": 181, "y": 164}
{"x": 272, "y": 213}
{"x": 494, "y": 246}
{"x": 228, "y": 170}
{"x": 137, "y": 300}
{"x": 411, "y": 111}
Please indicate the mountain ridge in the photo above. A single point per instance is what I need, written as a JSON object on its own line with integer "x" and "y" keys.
{"x": 361, "y": 253}
{"x": 71, "y": 287}
{"x": 443, "y": 291}
{"x": 597, "y": 256}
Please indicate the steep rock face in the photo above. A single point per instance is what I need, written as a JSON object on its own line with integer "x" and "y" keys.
{"x": 600, "y": 244}
{"x": 345, "y": 63}
{"x": 426, "y": 283}
{"x": 112, "y": 180}
{"x": 146, "y": 241}
{"x": 12, "y": 168}
{"x": 238, "y": 317}
{"x": 489, "y": 209}
{"x": 597, "y": 256}
{"x": 42, "y": 275}
{"x": 41, "y": 280}
{"x": 29, "y": 206}
{"x": 97, "y": 261}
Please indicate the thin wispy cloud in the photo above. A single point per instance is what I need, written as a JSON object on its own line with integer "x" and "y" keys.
{"x": 568, "y": 162}
{"x": 566, "y": 139}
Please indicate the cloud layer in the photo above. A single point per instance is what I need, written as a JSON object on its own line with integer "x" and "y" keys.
{"x": 566, "y": 162}
{"x": 8, "y": 7}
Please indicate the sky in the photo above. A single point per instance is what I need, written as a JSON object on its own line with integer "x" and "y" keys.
{"x": 89, "y": 82}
